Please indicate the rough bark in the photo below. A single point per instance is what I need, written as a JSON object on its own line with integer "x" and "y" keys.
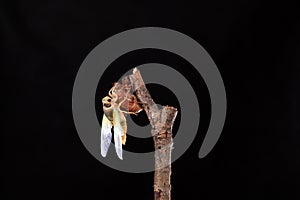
{"x": 161, "y": 121}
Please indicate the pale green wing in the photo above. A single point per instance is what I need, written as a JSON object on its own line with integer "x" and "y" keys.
{"x": 118, "y": 132}
{"x": 105, "y": 135}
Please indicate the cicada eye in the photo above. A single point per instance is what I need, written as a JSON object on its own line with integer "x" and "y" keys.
{"x": 107, "y": 105}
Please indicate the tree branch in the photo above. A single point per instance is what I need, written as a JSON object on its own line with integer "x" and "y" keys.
{"x": 161, "y": 121}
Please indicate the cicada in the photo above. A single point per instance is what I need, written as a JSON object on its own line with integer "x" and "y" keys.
{"x": 114, "y": 117}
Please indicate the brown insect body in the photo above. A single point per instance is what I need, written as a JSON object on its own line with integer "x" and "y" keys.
{"x": 128, "y": 101}
{"x": 131, "y": 104}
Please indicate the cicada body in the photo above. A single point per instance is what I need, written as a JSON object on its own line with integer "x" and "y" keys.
{"x": 114, "y": 117}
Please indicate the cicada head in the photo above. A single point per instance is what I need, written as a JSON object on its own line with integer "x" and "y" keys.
{"x": 107, "y": 101}
{"x": 108, "y": 106}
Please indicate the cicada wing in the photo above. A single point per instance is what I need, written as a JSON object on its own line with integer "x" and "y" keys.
{"x": 118, "y": 132}
{"x": 105, "y": 135}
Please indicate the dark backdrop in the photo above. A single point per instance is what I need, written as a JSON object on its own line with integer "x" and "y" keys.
{"x": 255, "y": 45}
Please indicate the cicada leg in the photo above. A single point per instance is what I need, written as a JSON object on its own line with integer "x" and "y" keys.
{"x": 112, "y": 93}
{"x": 131, "y": 113}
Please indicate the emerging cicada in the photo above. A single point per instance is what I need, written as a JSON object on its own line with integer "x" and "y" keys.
{"x": 114, "y": 117}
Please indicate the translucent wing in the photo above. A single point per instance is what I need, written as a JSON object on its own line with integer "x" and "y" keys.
{"x": 105, "y": 135}
{"x": 118, "y": 132}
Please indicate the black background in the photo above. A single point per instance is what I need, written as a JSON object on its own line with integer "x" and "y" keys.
{"x": 255, "y": 45}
